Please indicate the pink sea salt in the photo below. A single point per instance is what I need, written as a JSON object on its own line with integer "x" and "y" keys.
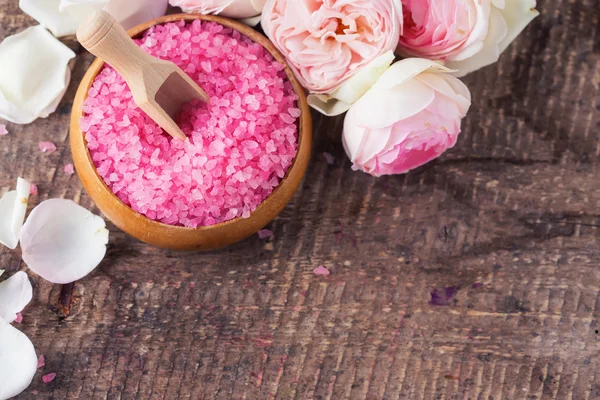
{"x": 3, "y": 130}
{"x": 69, "y": 169}
{"x": 19, "y": 318}
{"x": 33, "y": 189}
{"x": 241, "y": 143}
{"x": 47, "y": 147}
{"x": 41, "y": 362}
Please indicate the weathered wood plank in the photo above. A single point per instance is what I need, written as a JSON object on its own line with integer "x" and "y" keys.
{"x": 511, "y": 217}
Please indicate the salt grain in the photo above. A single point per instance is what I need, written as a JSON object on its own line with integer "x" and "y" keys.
{"x": 3, "y": 130}
{"x": 240, "y": 144}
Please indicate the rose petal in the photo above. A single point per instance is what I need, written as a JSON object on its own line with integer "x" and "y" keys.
{"x": 252, "y": 21}
{"x": 81, "y": 9}
{"x": 62, "y": 241}
{"x": 13, "y": 207}
{"x": 321, "y": 270}
{"x": 69, "y": 169}
{"x": 353, "y": 89}
{"x": 490, "y": 51}
{"x": 15, "y": 293}
{"x": 3, "y": 130}
{"x": 265, "y": 233}
{"x": 405, "y": 70}
{"x": 41, "y": 362}
{"x": 48, "y": 378}
{"x": 517, "y": 14}
{"x": 329, "y": 158}
{"x": 46, "y": 12}
{"x": 240, "y": 9}
{"x": 129, "y": 13}
{"x": 47, "y": 147}
{"x": 28, "y": 91}
{"x": 17, "y": 361}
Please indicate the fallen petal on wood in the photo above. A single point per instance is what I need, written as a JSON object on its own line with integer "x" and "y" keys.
{"x": 35, "y": 75}
{"x": 62, "y": 241}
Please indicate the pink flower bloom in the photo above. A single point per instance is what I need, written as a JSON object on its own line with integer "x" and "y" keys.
{"x": 327, "y": 42}
{"x": 467, "y": 34}
{"x": 410, "y": 116}
{"x": 226, "y": 8}
{"x": 47, "y": 147}
{"x": 69, "y": 169}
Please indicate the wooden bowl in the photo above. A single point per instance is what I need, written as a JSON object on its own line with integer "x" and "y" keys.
{"x": 178, "y": 237}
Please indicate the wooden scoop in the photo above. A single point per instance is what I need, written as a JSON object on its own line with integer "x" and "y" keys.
{"x": 159, "y": 87}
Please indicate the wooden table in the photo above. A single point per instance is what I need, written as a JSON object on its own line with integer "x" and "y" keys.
{"x": 509, "y": 218}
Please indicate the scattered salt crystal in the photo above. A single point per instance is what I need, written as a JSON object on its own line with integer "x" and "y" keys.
{"x": 240, "y": 144}
{"x": 48, "y": 378}
{"x": 33, "y": 189}
{"x": 321, "y": 270}
{"x": 3, "y": 130}
{"x": 19, "y": 318}
{"x": 265, "y": 233}
{"x": 41, "y": 362}
{"x": 47, "y": 147}
{"x": 69, "y": 169}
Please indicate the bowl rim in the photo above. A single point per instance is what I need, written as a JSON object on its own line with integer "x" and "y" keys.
{"x": 304, "y": 120}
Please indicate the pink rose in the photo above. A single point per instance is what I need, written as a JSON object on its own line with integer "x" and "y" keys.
{"x": 327, "y": 42}
{"x": 225, "y": 8}
{"x": 465, "y": 34}
{"x": 409, "y": 117}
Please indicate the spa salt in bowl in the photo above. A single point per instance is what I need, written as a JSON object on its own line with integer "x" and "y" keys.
{"x": 240, "y": 147}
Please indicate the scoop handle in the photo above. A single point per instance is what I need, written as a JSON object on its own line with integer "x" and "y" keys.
{"x": 103, "y": 36}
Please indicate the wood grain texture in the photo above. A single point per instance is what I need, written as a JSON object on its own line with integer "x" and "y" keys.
{"x": 510, "y": 217}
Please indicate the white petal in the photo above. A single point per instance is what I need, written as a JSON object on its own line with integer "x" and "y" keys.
{"x": 134, "y": 12}
{"x": 81, "y": 9}
{"x": 327, "y": 105}
{"x": 18, "y": 361}
{"x": 62, "y": 241}
{"x": 505, "y": 25}
{"x": 490, "y": 52}
{"x": 517, "y": 14}
{"x": 35, "y": 75}
{"x": 383, "y": 107}
{"x": 258, "y": 5}
{"x": 353, "y": 89}
{"x": 15, "y": 294}
{"x": 252, "y": 21}
{"x": 128, "y": 12}
{"x": 47, "y": 13}
{"x": 405, "y": 70}
{"x": 13, "y": 207}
